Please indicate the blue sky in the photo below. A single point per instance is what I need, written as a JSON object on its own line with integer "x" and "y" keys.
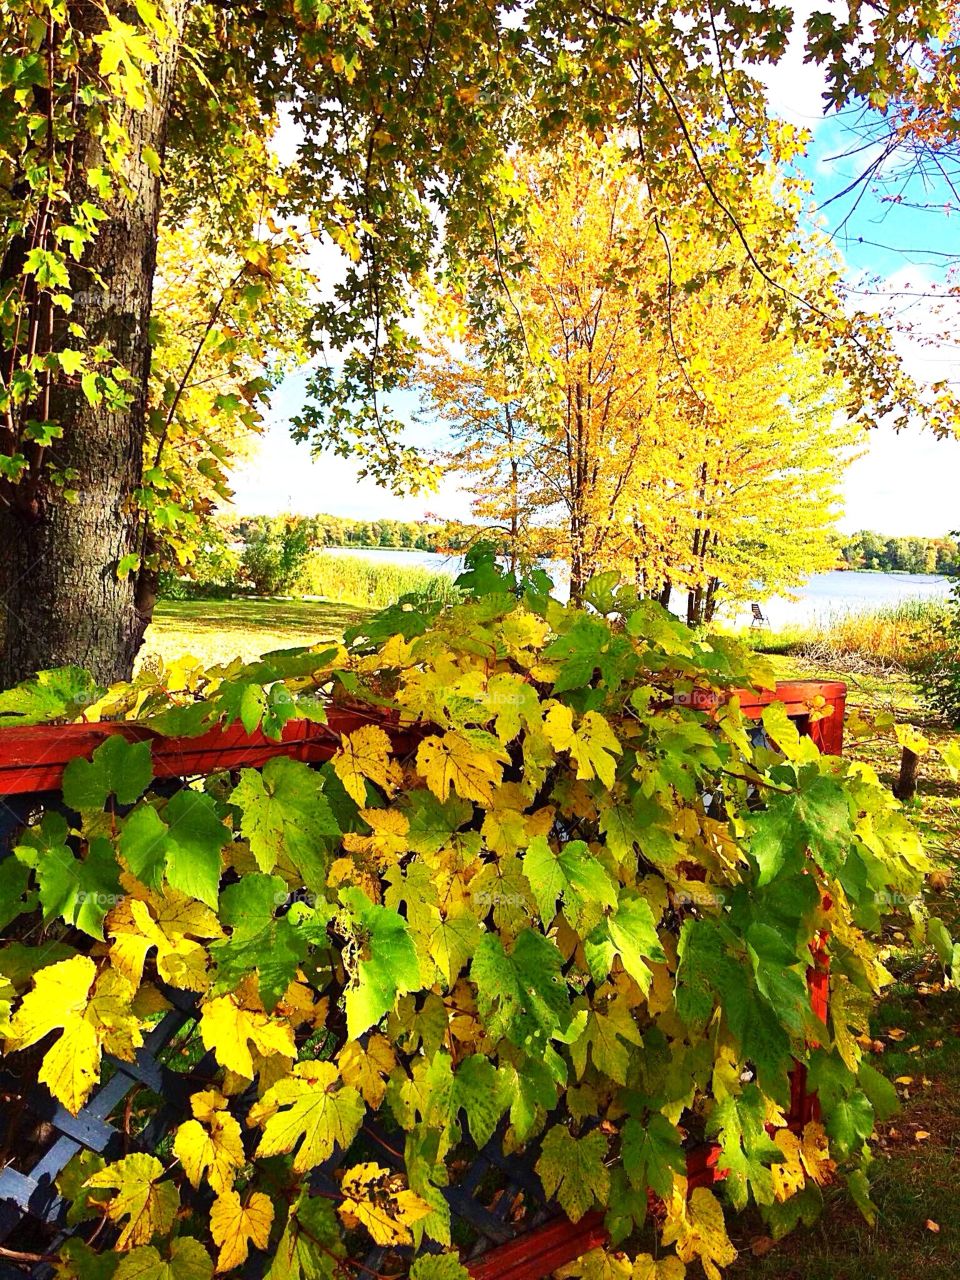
{"x": 904, "y": 484}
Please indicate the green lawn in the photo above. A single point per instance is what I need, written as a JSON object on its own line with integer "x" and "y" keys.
{"x": 215, "y": 631}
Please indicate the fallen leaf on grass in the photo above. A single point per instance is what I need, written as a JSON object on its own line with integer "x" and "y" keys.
{"x": 760, "y": 1246}
{"x": 932, "y": 1226}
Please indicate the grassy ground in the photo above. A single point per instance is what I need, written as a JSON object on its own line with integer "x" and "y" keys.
{"x": 916, "y": 1042}
{"x": 217, "y": 630}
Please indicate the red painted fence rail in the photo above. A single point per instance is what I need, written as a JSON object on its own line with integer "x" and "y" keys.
{"x": 33, "y": 759}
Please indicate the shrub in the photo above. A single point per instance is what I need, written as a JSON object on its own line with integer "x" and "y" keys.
{"x": 274, "y": 556}
{"x": 900, "y": 636}
{"x": 212, "y": 575}
{"x": 939, "y": 668}
{"x": 354, "y": 580}
{"x": 575, "y": 907}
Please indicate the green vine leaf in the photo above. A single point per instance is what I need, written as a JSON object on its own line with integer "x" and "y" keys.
{"x": 573, "y": 1170}
{"x": 286, "y": 818}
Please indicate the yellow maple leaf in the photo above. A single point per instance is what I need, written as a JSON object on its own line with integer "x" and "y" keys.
{"x": 646, "y": 1267}
{"x": 808, "y": 1154}
{"x": 387, "y": 841}
{"x": 210, "y": 1143}
{"x": 521, "y": 632}
{"x": 297, "y": 1005}
{"x": 395, "y": 653}
{"x": 148, "y": 1204}
{"x": 592, "y": 745}
{"x": 229, "y": 1029}
{"x": 378, "y": 1199}
{"x": 235, "y": 1226}
{"x": 367, "y": 1069}
{"x": 697, "y": 1229}
{"x": 599, "y": 1264}
{"x": 366, "y": 754}
{"x": 171, "y": 922}
{"x": 90, "y": 1021}
{"x": 454, "y": 761}
{"x": 305, "y": 1105}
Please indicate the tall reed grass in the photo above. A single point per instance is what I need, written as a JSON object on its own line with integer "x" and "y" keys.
{"x": 902, "y": 636}
{"x": 352, "y": 580}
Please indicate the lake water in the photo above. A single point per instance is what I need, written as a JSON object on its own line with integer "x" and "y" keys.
{"x": 823, "y": 596}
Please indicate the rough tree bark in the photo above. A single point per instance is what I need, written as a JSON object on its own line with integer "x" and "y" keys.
{"x": 62, "y": 599}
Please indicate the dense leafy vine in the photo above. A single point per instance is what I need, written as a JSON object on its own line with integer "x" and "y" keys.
{"x": 567, "y": 903}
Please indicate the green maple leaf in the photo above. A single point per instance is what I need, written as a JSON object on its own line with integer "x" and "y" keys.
{"x": 80, "y": 890}
{"x": 781, "y": 978}
{"x": 640, "y": 823}
{"x": 483, "y": 1093}
{"x": 426, "y": 1096}
{"x": 77, "y": 1261}
{"x": 143, "y": 845}
{"x": 709, "y": 973}
{"x": 59, "y": 694}
{"x": 705, "y": 969}
{"x": 606, "y": 1036}
{"x": 521, "y": 994}
{"x": 572, "y": 874}
{"x": 806, "y": 1207}
{"x": 882, "y": 1094}
{"x": 815, "y": 818}
{"x": 311, "y": 1242}
{"x": 631, "y": 933}
{"x": 14, "y": 896}
{"x": 117, "y": 768}
{"x": 850, "y": 1121}
{"x": 589, "y": 645}
{"x": 187, "y": 1260}
{"x": 787, "y": 904}
{"x": 259, "y": 940}
{"x": 387, "y": 965}
{"x": 652, "y": 1153}
{"x": 747, "y": 1149}
{"x": 286, "y": 815}
{"x": 439, "y": 1266}
{"x": 572, "y": 1170}
{"x": 433, "y": 822}
{"x": 194, "y": 842}
{"x": 532, "y": 1092}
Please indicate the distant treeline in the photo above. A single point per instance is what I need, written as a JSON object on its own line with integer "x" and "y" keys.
{"x": 868, "y": 550}
{"x": 340, "y": 531}
{"x": 863, "y": 550}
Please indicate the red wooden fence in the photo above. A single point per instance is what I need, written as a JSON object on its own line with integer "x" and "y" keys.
{"x": 33, "y": 759}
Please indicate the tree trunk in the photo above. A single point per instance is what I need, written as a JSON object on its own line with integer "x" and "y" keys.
{"x": 905, "y": 787}
{"x": 62, "y": 597}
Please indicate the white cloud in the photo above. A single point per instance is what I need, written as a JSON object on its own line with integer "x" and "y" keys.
{"x": 905, "y": 484}
{"x": 794, "y": 87}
